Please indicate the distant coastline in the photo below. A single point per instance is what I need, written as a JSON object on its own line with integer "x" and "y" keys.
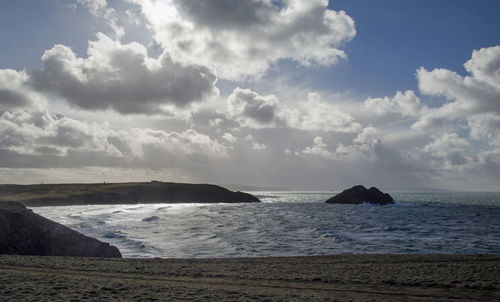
{"x": 120, "y": 193}
{"x": 240, "y": 187}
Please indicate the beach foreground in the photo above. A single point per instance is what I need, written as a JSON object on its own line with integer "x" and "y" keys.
{"x": 341, "y": 277}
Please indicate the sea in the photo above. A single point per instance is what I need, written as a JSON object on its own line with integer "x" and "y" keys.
{"x": 293, "y": 224}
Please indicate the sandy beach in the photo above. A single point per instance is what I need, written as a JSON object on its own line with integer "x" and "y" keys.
{"x": 317, "y": 278}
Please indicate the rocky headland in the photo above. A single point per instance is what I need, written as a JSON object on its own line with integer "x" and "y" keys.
{"x": 359, "y": 194}
{"x": 23, "y": 232}
{"x": 121, "y": 193}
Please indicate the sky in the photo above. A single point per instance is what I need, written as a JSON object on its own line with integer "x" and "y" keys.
{"x": 307, "y": 95}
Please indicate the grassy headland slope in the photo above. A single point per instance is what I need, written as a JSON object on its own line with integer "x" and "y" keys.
{"x": 120, "y": 193}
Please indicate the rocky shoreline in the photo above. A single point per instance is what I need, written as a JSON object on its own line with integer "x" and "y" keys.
{"x": 23, "y": 232}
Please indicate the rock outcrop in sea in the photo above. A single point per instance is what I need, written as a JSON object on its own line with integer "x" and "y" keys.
{"x": 359, "y": 194}
{"x": 23, "y": 232}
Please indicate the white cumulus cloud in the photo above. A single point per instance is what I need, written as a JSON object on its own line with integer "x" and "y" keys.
{"x": 478, "y": 93}
{"x": 406, "y": 104}
{"x": 241, "y": 38}
{"x": 318, "y": 115}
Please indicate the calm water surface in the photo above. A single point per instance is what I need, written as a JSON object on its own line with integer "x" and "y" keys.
{"x": 293, "y": 223}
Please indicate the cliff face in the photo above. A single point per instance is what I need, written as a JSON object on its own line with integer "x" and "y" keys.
{"x": 359, "y": 194}
{"x": 23, "y": 232}
{"x": 121, "y": 193}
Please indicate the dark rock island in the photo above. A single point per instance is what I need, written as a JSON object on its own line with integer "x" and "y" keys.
{"x": 120, "y": 193}
{"x": 23, "y": 232}
{"x": 359, "y": 194}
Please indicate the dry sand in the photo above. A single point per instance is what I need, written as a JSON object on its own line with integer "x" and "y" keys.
{"x": 322, "y": 278}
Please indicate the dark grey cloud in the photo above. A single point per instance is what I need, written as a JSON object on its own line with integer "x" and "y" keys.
{"x": 490, "y": 162}
{"x": 11, "y": 99}
{"x": 67, "y": 136}
{"x": 228, "y": 14}
{"x": 251, "y": 109}
{"x": 121, "y": 77}
{"x": 13, "y": 91}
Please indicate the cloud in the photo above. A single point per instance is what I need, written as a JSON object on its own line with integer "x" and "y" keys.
{"x": 42, "y": 133}
{"x": 489, "y": 161}
{"x": 42, "y": 139}
{"x": 121, "y": 77}
{"x": 257, "y": 146}
{"x": 229, "y": 137}
{"x": 485, "y": 126}
{"x": 96, "y": 7}
{"x": 14, "y": 93}
{"x": 252, "y": 110}
{"x": 100, "y": 8}
{"x": 367, "y": 136}
{"x": 318, "y": 115}
{"x": 405, "y": 104}
{"x": 485, "y": 65}
{"x": 223, "y": 14}
{"x": 364, "y": 147}
{"x": 186, "y": 149}
{"x": 319, "y": 149}
{"x": 477, "y": 93}
{"x": 254, "y": 144}
{"x": 216, "y": 122}
{"x": 449, "y": 142}
{"x": 450, "y": 148}
{"x": 241, "y": 38}
{"x": 465, "y": 133}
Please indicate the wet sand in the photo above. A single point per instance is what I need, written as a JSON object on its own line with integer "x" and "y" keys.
{"x": 317, "y": 278}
